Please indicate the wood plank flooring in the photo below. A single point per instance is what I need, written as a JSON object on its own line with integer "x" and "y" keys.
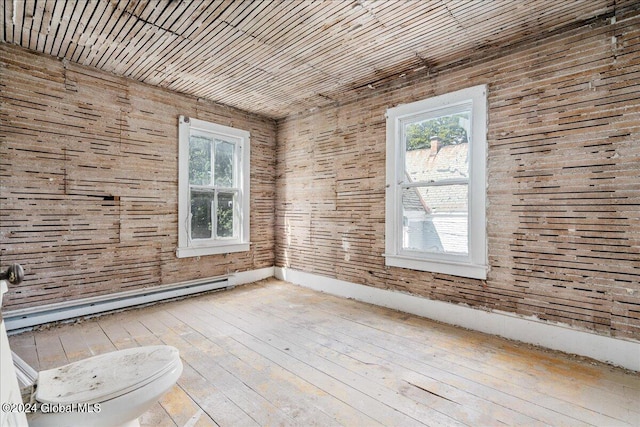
{"x": 272, "y": 353}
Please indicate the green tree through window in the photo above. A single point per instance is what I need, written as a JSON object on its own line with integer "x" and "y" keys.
{"x": 211, "y": 188}
{"x": 449, "y": 130}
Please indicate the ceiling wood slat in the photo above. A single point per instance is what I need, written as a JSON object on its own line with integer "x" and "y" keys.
{"x": 72, "y": 35}
{"x": 111, "y": 26}
{"x": 119, "y": 30}
{"x": 5, "y": 25}
{"x": 280, "y": 57}
{"x": 210, "y": 23}
{"x": 17, "y": 19}
{"x": 87, "y": 36}
{"x": 53, "y": 41}
{"x": 27, "y": 21}
{"x": 68, "y": 14}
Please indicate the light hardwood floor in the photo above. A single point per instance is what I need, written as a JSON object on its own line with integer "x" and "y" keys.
{"x": 272, "y": 353}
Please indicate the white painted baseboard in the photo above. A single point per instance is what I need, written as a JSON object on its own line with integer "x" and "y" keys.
{"x": 618, "y": 352}
{"x": 244, "y": 277}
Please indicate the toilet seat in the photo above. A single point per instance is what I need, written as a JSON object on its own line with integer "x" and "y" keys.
{"x": 104, "y": 377}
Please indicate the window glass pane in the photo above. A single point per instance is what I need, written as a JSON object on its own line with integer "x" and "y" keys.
{"x": 437, "y": 149}
{"x": 226, "y": 218}
{"x": 435, "y": 219}
{"x": 224, "y": 163}
{"x": 201, "y": 204}
{"x": 199, "y": 160}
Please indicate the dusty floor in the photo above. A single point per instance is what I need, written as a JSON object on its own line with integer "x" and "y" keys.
{"x": 272, "y": 353}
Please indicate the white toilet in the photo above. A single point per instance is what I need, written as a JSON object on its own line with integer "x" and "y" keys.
{"x": 111, "y": 389}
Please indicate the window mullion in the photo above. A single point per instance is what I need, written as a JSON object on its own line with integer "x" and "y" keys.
{"x": 187, "y": 224}
{"x": 214, "y": 215}
{"x": 214, "y": 208}
{"x": 399, "y": 218}
{"x": 213, "y": 162}
{"x": 441, "y": 183}
{"x": 202, "y": 187}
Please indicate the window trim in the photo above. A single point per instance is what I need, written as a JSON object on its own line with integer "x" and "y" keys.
{"x": 200, "y": 247}
{"x": 474, "y": 264}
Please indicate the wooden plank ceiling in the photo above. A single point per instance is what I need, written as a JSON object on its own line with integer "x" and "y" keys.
{"x": 278, "y": 58}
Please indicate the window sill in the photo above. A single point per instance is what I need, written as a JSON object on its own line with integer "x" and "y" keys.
{"x": 473, "y": 271}
{"x": 212, "y": 250}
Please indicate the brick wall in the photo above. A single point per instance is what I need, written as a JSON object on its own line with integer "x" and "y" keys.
{"x": 563, "y": 187}
{"x": 88, "y": 190}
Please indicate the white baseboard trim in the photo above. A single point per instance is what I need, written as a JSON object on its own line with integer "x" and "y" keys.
{"x": 244, "y": 277}
{"x": 615, "y": 351}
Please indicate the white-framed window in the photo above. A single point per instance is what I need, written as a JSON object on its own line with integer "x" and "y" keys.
{"x": 213, "y": 188}
{"x": 436, "y": 184}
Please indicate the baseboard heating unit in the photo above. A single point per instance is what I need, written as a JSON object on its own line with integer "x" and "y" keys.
{"x": 32, "y": 316}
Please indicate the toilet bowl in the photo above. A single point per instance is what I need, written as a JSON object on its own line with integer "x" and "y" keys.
{"x": 111, "y": 389}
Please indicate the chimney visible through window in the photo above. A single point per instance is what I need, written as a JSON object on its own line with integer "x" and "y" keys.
{"x": 435, "y": 142}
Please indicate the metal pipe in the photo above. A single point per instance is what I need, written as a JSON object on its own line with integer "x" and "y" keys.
{"x": 13, "y": 275}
